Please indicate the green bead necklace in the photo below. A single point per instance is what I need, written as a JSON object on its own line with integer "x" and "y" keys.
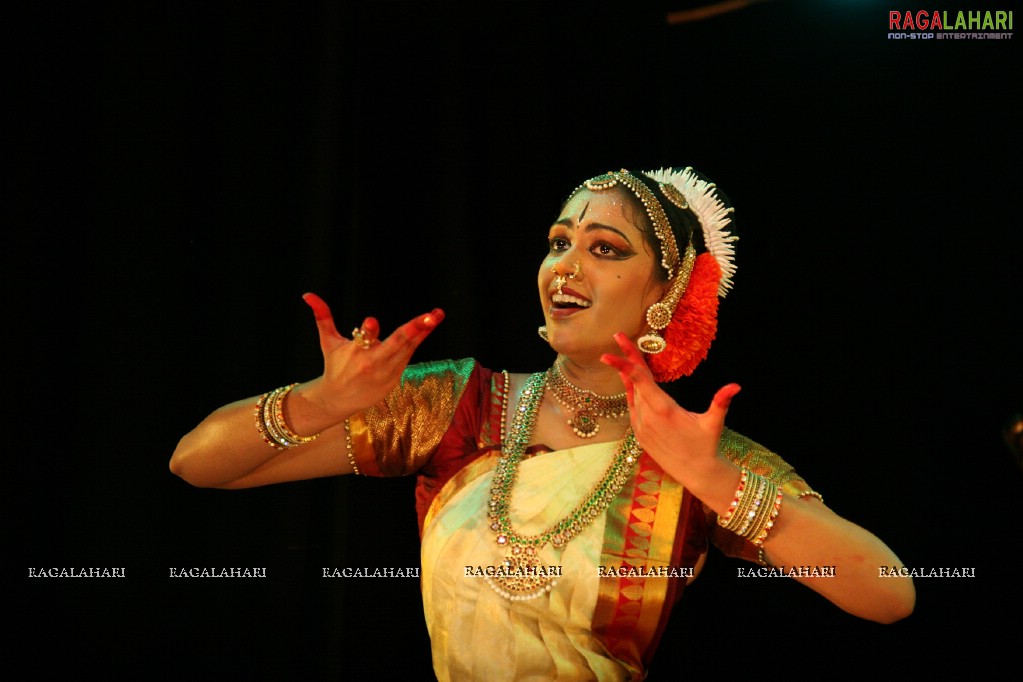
{"x": 522, "y": 577}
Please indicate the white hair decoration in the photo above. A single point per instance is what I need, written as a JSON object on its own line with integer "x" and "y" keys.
{"x": 713, "y": 216}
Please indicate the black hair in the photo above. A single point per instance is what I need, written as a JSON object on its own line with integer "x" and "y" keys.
{"x": 685, "y": 225}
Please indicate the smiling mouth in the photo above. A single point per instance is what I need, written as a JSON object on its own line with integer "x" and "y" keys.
{"x": 567, "y": 301}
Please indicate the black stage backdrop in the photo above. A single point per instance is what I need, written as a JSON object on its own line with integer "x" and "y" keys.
{"x": 180, "y": 173}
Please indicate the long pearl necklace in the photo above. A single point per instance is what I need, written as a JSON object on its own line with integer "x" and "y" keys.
{"x": 521, "y": 575}
{"x": 585, "y": 405}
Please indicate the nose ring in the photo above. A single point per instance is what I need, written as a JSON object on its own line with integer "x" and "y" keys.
{"x": 560, "y": 280}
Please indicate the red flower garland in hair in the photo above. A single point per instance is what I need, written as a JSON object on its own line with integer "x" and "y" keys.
{"x": 693, "y": 325}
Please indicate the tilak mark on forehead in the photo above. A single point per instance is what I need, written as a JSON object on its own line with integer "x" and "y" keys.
{"x": 583, "y": 213}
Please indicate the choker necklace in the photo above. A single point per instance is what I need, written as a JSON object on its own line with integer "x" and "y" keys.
{"x": 521, "y": 576}
{"x": 585, "y": 405}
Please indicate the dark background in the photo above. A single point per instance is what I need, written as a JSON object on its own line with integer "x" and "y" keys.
{"x": 179, "y": 175}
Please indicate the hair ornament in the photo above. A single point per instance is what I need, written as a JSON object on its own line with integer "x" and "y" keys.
{"x": 701, "y": 196}
{"x": 693, "y": 326}
{"x": 684, "y": 322}
{"x": 670, "y": 257}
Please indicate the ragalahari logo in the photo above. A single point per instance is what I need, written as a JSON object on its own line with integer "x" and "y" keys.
{"x": 945, "y": 25}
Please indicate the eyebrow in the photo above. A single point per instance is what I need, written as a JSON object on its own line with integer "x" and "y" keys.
{"x": 567, "y": 222}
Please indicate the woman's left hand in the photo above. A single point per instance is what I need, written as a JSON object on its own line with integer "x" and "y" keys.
{"x": 683, "y": 443}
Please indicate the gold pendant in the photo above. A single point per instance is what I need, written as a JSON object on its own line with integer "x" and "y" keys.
{"x": 584, "y": 424}
{"x": 521, "y": 577}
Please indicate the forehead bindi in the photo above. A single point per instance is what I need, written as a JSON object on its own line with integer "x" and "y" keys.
{"x": 596, "y": 206}
{"x": 582, "y": 214}
{"x": 608, "y": 210}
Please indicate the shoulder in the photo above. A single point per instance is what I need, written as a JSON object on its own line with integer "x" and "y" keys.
{"x": 517, "y": 382}
{"x": 748, "y": 453}
{"x": 734, "y": 444}
{"x": 454, "y": 377}
{"x": 458, "y": 371}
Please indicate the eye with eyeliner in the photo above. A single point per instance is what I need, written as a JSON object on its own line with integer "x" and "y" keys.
{"x": 604, "y": 249}
{"x": 600, "y": 249}
{"x": 557, "y": 244}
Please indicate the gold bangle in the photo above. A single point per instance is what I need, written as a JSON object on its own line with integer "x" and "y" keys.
{"x": 760, "y": 518}
{"x": 723, "y": 520}
{"x": 754, "y": 509}
{"x": 768, "y": 523}
{"x": 270, "y": 420}
{"x": 750, "y": 490}
{"x": 261, "y": 422}
{"x": 276, "y": 414}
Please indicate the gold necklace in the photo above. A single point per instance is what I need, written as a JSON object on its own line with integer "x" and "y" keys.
{"x": 585, "y": 405}
{"x": 521, "y": 575}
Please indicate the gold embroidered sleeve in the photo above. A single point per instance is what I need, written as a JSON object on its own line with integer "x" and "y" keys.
{"x": 745, "y": 452}
{"x": 398, "y": 435}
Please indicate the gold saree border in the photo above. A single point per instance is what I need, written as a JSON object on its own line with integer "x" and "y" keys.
{"x": 488, "y": 446}
{"x": 642, "y": 522}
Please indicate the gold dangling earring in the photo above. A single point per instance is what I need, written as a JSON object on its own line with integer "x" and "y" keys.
{"x": 652, "y": 343}
{"x": 542, "y": 331}
{"x": 657, "y": 316}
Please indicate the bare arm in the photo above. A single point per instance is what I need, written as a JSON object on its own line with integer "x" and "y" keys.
{"x": 225, "y": 450}
{"x": 806, "y": 532}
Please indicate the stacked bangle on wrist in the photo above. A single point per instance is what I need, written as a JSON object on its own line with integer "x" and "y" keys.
{"x": 270, "y": 421}
{"x": 754, "y": 508}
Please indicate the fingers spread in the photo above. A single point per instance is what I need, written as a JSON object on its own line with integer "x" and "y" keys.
{"x": 632, "y": 367}
{"x": 621, "y": 364}
{"x": 624, "y": 367}
{"x": 370, "y": 329}
{"x": 320, "y": 309}
{"x": 723, "y": 398}
{"x": 432, "y": 319}
{"x": 627, "y": 369}
{"x": 409, "y": 335}
{"x": 629, "y": 348}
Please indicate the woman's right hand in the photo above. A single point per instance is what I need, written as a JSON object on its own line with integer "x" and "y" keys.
{"x": 359, "y": 372}
{"x": 226, "y": 450}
